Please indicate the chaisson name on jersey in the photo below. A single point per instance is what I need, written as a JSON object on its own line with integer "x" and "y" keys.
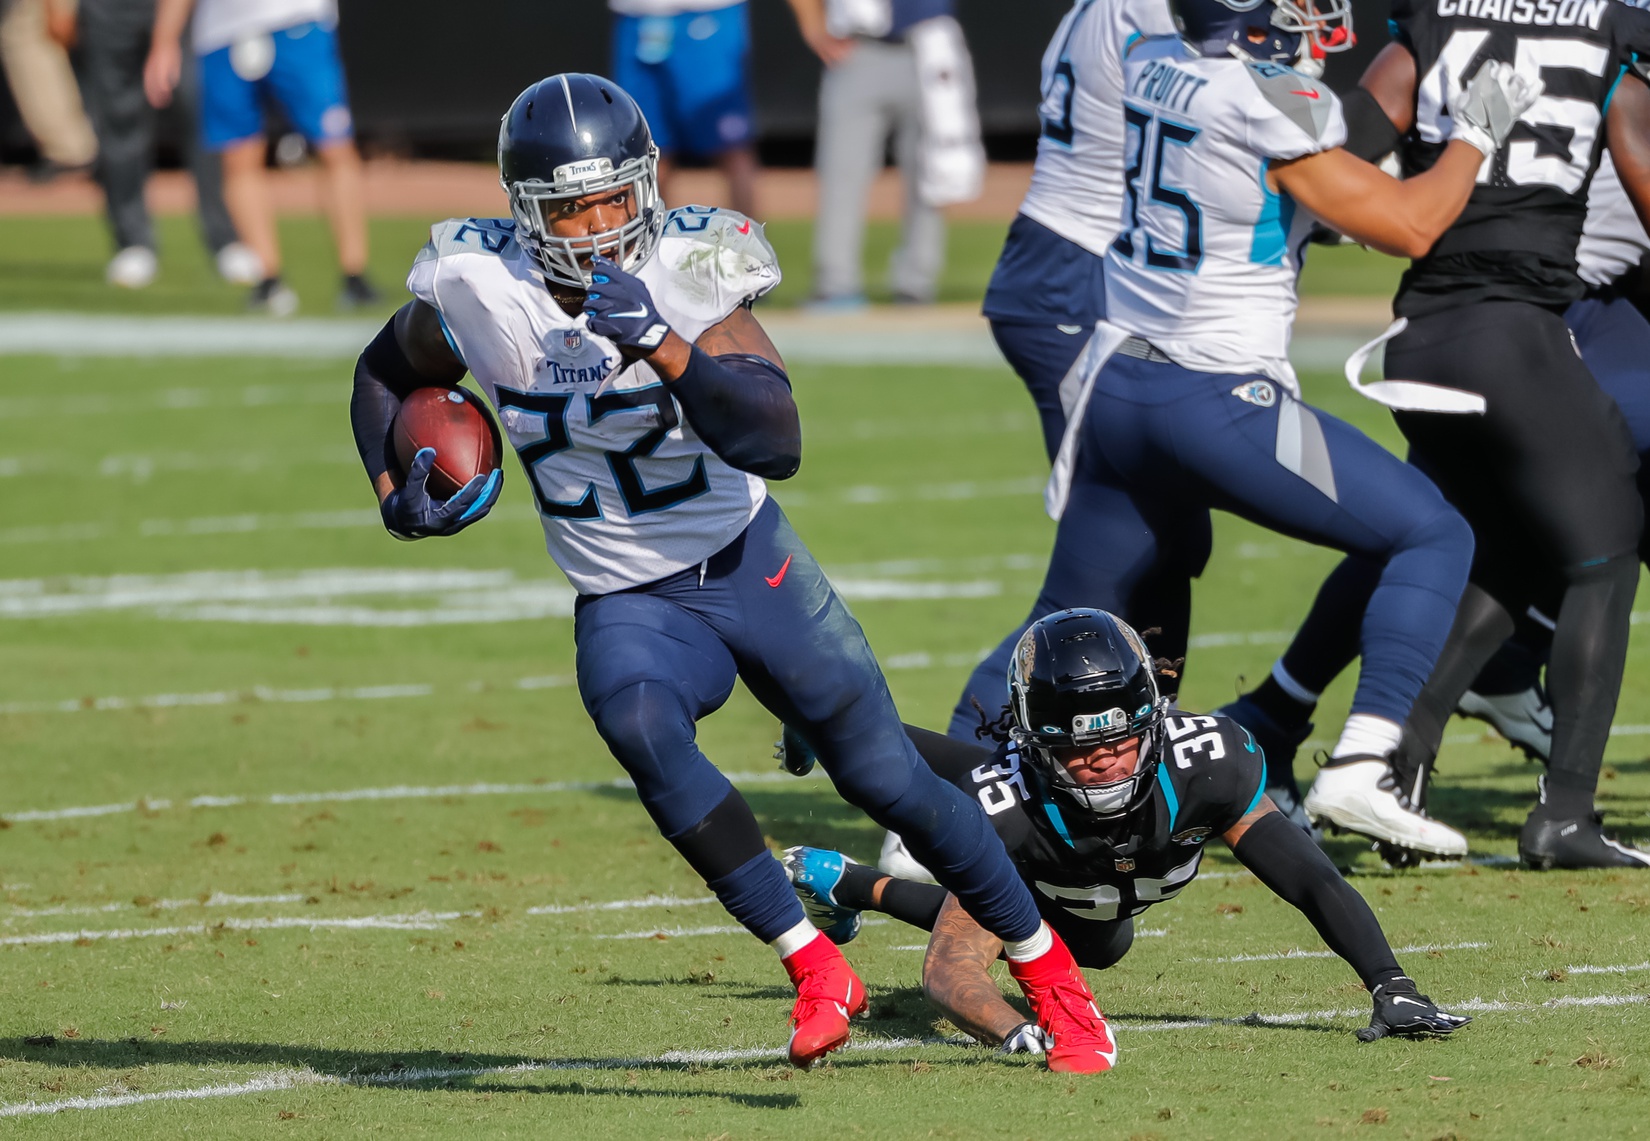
{"x": 1541, "y": 13}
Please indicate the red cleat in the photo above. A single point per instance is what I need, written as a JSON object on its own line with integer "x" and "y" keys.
{"x": 828, "y": 994}
{"x": 1065, "y": 1008}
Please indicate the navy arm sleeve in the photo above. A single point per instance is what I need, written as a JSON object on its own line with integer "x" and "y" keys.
{"x": 1285, "y": 859}
{"x": 742, "y": 408}
{"x": 386, "y": 373}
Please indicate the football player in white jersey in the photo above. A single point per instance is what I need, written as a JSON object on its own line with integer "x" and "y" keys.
{"x": 1188, "y": 401}
{"x": 647, "y": 406}
{"x": 1048, "y": 289}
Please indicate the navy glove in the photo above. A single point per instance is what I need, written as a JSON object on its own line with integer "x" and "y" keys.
{"x": 1401, "y": 1009}
{"x": 621, "y": 309}
{"x": 409, "y": 512}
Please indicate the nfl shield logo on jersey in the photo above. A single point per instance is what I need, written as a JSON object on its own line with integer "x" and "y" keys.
{"x": 571, "y": 340}
{"x": 1257, "y": 392}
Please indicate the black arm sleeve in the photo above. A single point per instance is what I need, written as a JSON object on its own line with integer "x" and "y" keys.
{"x": 1285, "y": 859}
{"x": 1369, "y": 133}
{"x": 951, "y": 760}
{"x": 742, "y": 408}
{"x": 383, "y": 378}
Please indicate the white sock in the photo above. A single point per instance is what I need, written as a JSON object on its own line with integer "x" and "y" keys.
{"x": 1035, "y": 947}
{"x": 1286, "y": 682}
{"x": 795, "y": 939}
{"x": 1367, "y": 735}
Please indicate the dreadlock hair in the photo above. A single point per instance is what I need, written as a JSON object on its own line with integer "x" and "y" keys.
{"x": 1168, "y": 670}
{"x": 997, "y": 728}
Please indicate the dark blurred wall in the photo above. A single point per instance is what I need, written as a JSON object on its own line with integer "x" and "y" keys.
{"x": 437, "y": 74}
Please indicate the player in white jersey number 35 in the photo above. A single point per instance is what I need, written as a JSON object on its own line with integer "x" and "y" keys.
{"x": 1188, "y": 401}
{"x": 615, "y": 340}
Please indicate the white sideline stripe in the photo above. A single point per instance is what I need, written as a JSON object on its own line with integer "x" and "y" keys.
{"x": 416, "y": 921}
{"x": 1416, "y": 949}
{"x": 394, "y": 792}
{"x": 280, "y": 1080}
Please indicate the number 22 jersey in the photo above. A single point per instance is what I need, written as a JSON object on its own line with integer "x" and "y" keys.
{"x": 1516, "y": 238}
{"x": 626, "y": 490}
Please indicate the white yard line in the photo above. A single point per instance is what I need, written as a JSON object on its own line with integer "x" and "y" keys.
{"x": 416, "y": 921}
{"x": 281, "y": 1080}
{"x": 216, "y": 899}
{"x": 394, "y": 792}
{"x": 1415, "y": 949}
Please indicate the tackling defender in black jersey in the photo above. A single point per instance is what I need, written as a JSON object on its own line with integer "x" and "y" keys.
{"x": 1105, "y": 800}
{"x": 1545, "y": 471}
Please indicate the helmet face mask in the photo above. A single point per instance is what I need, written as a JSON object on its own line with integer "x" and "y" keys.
{"x": 571, "y": 137}
{"x": 1080, "y": 679}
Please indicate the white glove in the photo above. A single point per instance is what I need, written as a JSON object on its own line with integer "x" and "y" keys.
{"x": 1491, "y": 105}
{"x": 1026, "y": 1038}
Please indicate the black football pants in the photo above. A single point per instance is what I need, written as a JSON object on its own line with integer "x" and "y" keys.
{"x": 1546, "y": 477}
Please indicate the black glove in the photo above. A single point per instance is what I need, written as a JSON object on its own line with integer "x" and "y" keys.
{"x": 410, "y": 513}
{"x": 619, "y": 307}
{"x": 1401, "y": 1009}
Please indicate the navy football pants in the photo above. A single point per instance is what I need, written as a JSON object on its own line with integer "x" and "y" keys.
{"x": 1042, "y": 354}
{"x": 655, "y": 659}
{"x": 1162, "y": 445}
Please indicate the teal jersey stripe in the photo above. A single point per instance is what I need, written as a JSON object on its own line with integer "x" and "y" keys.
{"x": 1168, "y": 794}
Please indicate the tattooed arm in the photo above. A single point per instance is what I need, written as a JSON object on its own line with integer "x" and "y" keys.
{"x": 956, "y": 976}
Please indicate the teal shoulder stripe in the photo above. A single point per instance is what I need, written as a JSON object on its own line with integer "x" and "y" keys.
{"x": 1259, "y": 792}
{"x": 1167, "y": 786}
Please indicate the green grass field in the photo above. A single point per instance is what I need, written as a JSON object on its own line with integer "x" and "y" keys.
{"x": 353, "y": 861}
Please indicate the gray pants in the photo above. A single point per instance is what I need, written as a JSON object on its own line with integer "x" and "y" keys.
{"x": 114, "y": 37}
{"x": 861, "y": 101}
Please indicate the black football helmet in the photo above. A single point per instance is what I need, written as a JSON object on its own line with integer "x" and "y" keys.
{"x": 1298, "y": 33}
{"x": 568, "y": 136}
{"x": 1084, "y": 677}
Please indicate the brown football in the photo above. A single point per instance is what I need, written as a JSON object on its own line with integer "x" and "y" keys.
{"x": 451, "y": 421}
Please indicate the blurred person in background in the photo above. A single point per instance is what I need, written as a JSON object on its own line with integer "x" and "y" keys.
{"x": 43, "y": 87}
{"x": 897, "y": 67}
{"x": 286, "y": 50}
{"x": 687, "y": 65}
{"x": 114, "y": 41}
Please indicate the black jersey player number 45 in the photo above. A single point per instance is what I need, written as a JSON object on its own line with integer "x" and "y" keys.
{"x": 1554, "y": 143}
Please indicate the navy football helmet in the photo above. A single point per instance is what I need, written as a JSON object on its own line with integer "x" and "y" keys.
{"x": 1084, "y": 677}
{"x": 568, "y": 136}
{"x": 1297, "y": 34}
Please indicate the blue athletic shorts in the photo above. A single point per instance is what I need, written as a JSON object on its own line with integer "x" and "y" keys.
{"x": 298, "y": 67}
{"x": 690, "y": 75}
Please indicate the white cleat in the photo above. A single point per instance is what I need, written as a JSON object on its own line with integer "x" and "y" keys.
{"x": 132, "y": 268}
{"x": 238, "y": 264}
{"x": 1523, "y": 718}
{"x": 1363, "y": 797}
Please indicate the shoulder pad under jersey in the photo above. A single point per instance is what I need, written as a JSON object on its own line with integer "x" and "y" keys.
{"x": 1215, "y": 767}
{"x": 1304, "y": 101}
{"x": 496, "y": 236}
{"x": 718, "y": 259}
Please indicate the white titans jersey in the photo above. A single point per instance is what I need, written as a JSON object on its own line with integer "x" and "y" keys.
{"x": 1613, "y": 240}
{"x": 1205, "y": 263}
{"x": 626, "y": 490}
{"x": 1077, "y": 184}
